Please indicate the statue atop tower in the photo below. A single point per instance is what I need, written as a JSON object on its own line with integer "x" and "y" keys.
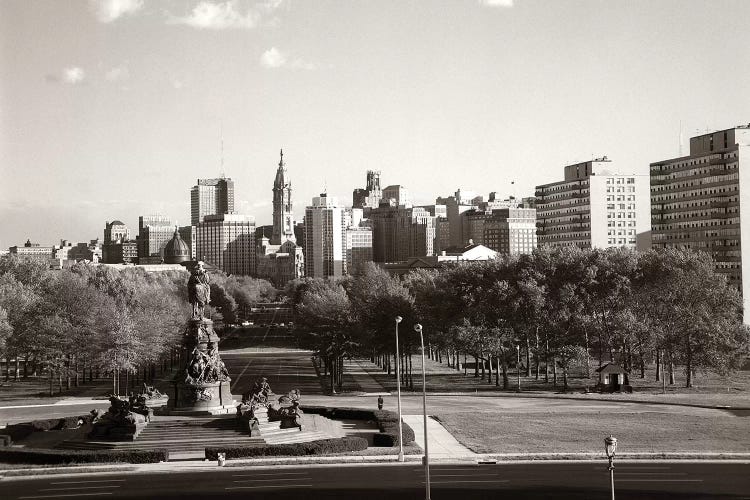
{"x": 283, "y": 217}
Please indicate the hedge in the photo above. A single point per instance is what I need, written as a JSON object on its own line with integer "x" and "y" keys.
{"x": 18, "y": 432}
{"x": 319, "y": 447}
{"x": 44, "y": 456}
{"x": 386, "y": 420}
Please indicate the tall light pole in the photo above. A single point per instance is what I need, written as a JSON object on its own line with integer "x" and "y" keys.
{"x": 518, "y": 366}
{"x": 610, "y": 446}
{"x": 418, "y": 329}
{"x": 398, "y": 385}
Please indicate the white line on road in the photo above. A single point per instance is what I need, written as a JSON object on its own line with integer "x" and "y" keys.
{"x": 93, "y": 481}
{"x": 653, "y": 473}
{"x": 470, "y": 481}
{"x": 271, "y": 474}
{"x": 67, "y": 495}
{"x": 660, "y": 480}
{"x": 274, "y": 479}
{"x": 268, "y": 486}
{"x": 81, "y": 488}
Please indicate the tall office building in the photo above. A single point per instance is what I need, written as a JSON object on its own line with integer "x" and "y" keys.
{"x": 325, "y": 222}
{"x": 154, "y": 231}
{"x": 697, "y": 202}
{"x": 227, "y": 241}
{"x": 283, "y": 216}
{"x": 370, "y": 196}
{"x": 402, "y": 231}
{"x": 398, "y": 193}
{"x": 211, "y": 197}
{"x": 510, "y": 231}
{"x": 593, "y": 207}
{"x": 455, "y": 206}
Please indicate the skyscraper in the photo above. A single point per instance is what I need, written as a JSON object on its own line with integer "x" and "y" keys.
{"x": 370, "y": 196}
{"x": 211, "y": 197}
{"x": 227, "y": 241}
{"x": 283, "y": 217}
{"x": 593, "y": 207}
{"x": 154, "y": 231}
{"x": 324, "y": 238}
{"x": 697, "y": 202}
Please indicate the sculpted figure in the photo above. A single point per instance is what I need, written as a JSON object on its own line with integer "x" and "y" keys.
{"x": 199, "y": 290}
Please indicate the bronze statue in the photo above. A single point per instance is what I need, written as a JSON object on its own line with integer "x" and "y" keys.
{"x": 199, "y": 290}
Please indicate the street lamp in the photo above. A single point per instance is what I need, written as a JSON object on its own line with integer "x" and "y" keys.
{"x": 418, "y": 329}
{"x": 398, "y": 384}
{"x": 518, "y": 366}
{"x": 610, "y": 446}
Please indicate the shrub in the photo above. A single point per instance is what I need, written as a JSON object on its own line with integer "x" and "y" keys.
{"x": 19, "y": 432}
{"x": 319, "y": 447}
{"x": 44, "y": 456}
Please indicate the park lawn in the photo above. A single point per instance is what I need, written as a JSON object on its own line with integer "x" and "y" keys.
{"x": 573, "y": 432}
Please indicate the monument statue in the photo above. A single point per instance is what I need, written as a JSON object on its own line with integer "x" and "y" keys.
{"x": 202, "y": 385}
{"x": 199, "y": 290}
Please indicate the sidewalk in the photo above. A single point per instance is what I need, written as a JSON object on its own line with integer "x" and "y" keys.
{"x": 357, "y": 374}
{"x": 442, "y": 444}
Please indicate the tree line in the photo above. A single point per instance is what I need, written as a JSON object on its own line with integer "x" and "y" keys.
{"x": 552, "y": 308}
{"x": 77, "y": 324}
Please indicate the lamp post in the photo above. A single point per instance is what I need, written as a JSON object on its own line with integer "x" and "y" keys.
{"x": 518, "y": 367}
{"x": 418, "y": 329}
{"x": 610, "y": 446}
{"x": 398, "y": 385}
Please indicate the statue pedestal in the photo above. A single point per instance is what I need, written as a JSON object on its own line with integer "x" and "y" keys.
{"x": 202, "y": 385}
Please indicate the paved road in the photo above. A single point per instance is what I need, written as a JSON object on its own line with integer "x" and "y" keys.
{"x": 526, "y": 480}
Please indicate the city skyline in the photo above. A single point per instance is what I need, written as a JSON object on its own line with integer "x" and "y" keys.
{"x": 111, "y": 113}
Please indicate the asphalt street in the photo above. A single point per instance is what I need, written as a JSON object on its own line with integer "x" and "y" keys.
{"x": 643, "y": 480}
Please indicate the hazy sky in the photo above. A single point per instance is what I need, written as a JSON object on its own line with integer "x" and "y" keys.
{"x": 112, "y": 109}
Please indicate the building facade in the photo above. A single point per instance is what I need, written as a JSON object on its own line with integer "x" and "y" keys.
{"x": 115, "y": 231}
{"x": 211, "y": 197}
{"x": 402, "y": 231}
{"x": 227, "y": 241}
{"x": 697, "y": 202}
{"x": 154, "y": 231}
{"x": 593, "y": 207}
{"x": 369, "y": 197}
{"x": 325, "y": 222}
{"x": 511, "y": 231}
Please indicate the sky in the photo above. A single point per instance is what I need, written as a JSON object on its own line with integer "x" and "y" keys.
{"x": 111, "y": 109}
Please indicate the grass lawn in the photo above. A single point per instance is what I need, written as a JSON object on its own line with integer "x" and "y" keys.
{"x": 573, "y": 432}
{"x": 709, "y": 388}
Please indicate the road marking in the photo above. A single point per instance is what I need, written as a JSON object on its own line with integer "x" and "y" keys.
{"x": 662, "y": 480}
{"x": 92, "y": 481}
{"x": 271, "y": 474}
{"x": 274, "y": 479}
{"x": 653, "y": 473}
{"x": 268, "y": 486}
{"x": 470, "y": 481}
{"x": 81, "y": 488}
{"x": 68, "y": 495}
{"x": 463, "y": 475}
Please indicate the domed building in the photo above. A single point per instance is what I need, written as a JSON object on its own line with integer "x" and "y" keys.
{"x": 176, "y": 251}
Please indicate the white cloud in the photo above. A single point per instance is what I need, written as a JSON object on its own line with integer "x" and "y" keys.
{"x": 73, "y": 75}
{"x": 497, "y": 3}
{"x": 117, "y": 74}
{"x": 109, "y": 10}
{"x": 274, "y": 58}
{"x": 219, "y": 16}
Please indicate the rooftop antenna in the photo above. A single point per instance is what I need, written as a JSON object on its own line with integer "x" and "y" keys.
{"x": 221, "y": 140}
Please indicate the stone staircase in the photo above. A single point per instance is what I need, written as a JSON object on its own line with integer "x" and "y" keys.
{"x": 193, "y": 434}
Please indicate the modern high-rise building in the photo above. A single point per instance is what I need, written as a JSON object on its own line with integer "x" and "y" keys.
{"x": 211, "y": 197}
{"x": 283, "y": 216}
{"x": 187, "y": 234}
{"x": 370, "y": 196}
{"x": 510, "y": 231}
{"x": 697, "y": 202}
{"x": 154, "y": 231}
{"x": 325, "y": 222}
{"x": 402, "y": 231}
{"x": 593, "y": 207}
{"x": 227, "y": 241}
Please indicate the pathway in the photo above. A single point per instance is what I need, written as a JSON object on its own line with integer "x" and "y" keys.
{"x": 442, "y": 443}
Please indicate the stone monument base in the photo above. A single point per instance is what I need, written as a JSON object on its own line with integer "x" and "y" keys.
{"x": 207, "y": 398}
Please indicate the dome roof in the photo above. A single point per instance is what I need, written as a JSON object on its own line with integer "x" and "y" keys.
{"x": 176, "y": 250}
{"x": 117, "y": 223}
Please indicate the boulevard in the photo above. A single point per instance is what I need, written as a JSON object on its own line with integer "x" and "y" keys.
{"x": 582, "y": 480}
